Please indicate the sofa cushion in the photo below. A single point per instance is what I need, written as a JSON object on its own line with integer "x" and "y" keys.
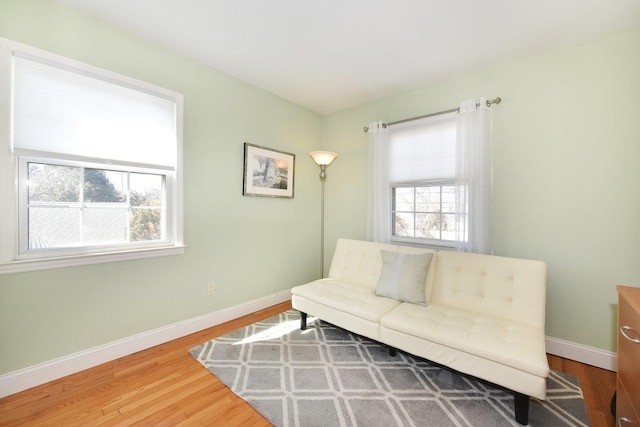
{"x": 403, "y": 276}
{"x": 348, "y": 297}
{"x": 432, "y": 266}
{"x": 505, "y": 341}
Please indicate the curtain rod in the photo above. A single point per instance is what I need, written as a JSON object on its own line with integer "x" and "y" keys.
{"x": 498, "y": 100}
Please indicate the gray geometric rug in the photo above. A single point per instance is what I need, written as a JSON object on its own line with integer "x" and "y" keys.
{"x": 326, "y": 376}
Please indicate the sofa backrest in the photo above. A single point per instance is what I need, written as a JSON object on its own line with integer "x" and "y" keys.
{"x": 358, "y": 261}
{"x": 508, "y": 288}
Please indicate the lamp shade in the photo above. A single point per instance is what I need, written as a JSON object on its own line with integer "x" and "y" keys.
{"x": 323, "y": 158}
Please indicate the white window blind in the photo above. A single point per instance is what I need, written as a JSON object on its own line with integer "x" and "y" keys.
{"x": 75, "y": 114}
{"x": 423, "y": 150}
{"x": 91, "y": 164}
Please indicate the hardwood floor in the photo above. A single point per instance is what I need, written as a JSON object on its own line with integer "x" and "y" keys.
{"x": 164, "y": 385}
{"x": 598, "y": 386}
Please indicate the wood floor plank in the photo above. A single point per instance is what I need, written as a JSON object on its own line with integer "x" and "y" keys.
{"x": 199, "y": 404}
{"x": 139, "y": 392}
{"x": 598, "y": 385}
{"x": 164, "y": 385}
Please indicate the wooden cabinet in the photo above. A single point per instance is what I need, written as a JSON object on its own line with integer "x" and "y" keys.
{"x": 628, "y": 388}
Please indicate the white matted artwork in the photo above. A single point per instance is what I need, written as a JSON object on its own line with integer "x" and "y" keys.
{"x": 267, "y": 172}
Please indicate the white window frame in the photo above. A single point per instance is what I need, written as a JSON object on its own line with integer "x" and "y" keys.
{"x": 24, "y": 252}
{"x": 13, "y": 257}
{"x": 439, "y": 182}
{"x": 422, "y": 241}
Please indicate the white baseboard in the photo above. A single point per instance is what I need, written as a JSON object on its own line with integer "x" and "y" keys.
{"x": 35, "y": 375}
{"x": 582, "y": 353}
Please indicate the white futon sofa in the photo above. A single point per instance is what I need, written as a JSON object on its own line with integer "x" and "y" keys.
{"x": 478, "y": 314}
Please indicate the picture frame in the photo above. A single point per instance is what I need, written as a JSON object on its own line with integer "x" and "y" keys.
{"x": 268, "y": 172}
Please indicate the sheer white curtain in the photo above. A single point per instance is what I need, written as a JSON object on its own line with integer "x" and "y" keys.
{"x": 379, "y": 197}
{"x": 473, "y": 177}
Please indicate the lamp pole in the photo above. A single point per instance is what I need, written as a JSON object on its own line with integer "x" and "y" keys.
{"x": 323, "y": 178}
{"x": 322, "y": 159}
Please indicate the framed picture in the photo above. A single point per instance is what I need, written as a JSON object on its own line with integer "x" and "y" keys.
{"x": 267, "y": 172}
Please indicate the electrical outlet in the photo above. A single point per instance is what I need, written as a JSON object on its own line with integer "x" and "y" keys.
{"x": 211, "y": 288}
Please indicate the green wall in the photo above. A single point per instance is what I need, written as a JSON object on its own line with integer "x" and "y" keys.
{"x": 566, "y": 152}
{"x": 566, "y": 170}
{"x": 250, "y": 246}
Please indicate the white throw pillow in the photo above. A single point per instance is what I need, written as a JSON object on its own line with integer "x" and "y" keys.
{"x": 403, "y": 276}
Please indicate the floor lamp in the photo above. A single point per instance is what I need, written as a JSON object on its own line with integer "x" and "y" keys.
{"x": 322, "y": 159}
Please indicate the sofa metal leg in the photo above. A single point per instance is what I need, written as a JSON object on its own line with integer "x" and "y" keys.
{"x": 521, "y": 408}
{"x": 392, "y": 351}
{"x": 303, "y": 321}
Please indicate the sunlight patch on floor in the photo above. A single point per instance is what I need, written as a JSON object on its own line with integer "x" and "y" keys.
{"x": 276, "y": 332}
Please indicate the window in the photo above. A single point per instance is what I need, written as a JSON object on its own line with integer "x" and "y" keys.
{"x": 421, "y": 177}
{"x": 72, "y": 206}
{"x": 97, "y": 161}
{"x": 430, "y": 179}
{"x": 424, "y": 212}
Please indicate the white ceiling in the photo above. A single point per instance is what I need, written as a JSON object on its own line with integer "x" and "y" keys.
{"x": 328, "y": 55}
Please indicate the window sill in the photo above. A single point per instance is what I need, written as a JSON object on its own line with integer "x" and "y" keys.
{"x": 429, "y": 244}
{"x": 23, "y": 266}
